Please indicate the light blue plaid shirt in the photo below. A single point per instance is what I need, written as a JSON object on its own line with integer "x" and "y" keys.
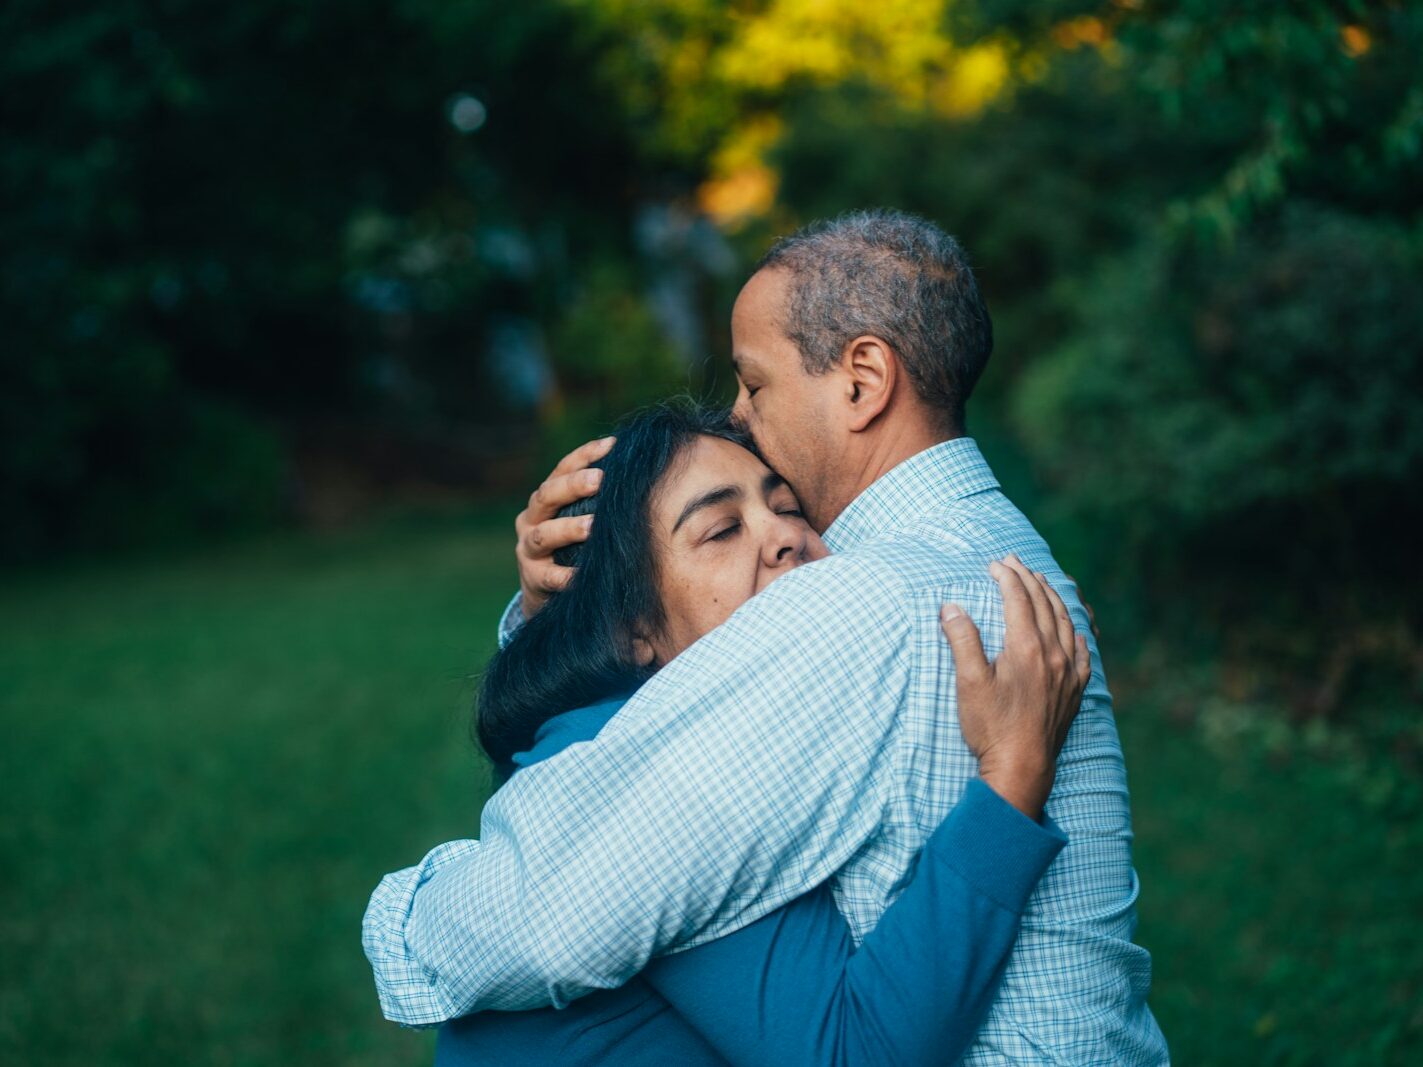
{"x": 813, "y": 736}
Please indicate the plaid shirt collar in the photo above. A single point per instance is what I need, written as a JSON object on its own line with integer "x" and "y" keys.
{"x": 936, "y": 477}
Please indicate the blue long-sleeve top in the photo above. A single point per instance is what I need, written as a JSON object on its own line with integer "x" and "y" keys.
{"x": 791, "y": 989}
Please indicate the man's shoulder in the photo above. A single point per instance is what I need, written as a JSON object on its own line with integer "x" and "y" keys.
{"x": 956, "y": 543}
{"x": 947, "y": 547}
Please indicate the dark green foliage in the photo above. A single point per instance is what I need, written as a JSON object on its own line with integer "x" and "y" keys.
{"x": 611, "y": 356}
{"x": 1235, "y": 407}
{"x": 1280, "y": 374}
{"x": 269, "y": 204}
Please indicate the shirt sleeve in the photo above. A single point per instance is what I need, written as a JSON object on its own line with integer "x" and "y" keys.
{"x": 404, "y": 987}
{"x": 792, "y": 990}
{"x": 512, "y": 619}
{"x": 747, "y": 771}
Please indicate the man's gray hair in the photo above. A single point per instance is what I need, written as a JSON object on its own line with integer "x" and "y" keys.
{"x": 895, "y": 276}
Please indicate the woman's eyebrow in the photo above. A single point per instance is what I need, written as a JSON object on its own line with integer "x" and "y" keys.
{"x": 720, "y": 495}
{"x": 771, "y": 483}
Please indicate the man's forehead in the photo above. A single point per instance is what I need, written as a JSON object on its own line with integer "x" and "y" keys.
{"x": 763, "y": 294}
{"x": 756, "y": 322}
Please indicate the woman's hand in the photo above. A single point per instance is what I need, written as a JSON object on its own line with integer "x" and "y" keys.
{"x": 1015, "y": 712}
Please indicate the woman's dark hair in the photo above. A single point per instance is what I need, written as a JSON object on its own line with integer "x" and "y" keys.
{"x": 578, "y": 649}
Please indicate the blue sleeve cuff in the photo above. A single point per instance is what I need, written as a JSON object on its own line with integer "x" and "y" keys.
{"x": 994, "y": 846}
{"x": 511, "y": 620}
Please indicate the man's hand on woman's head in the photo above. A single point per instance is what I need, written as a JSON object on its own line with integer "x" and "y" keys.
{"x": 541, "y": 532}
{"x": 1015, "y": 712}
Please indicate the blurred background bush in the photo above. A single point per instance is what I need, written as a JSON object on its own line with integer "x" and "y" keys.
{"x": 298, "y": 298}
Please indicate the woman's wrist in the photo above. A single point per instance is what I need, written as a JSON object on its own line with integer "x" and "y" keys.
{"x": 1022, "y": 779}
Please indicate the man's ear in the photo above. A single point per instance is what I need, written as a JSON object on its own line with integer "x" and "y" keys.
{"x": 871, "y": 373}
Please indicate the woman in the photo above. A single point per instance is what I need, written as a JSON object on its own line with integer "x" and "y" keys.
{"x": 690, "y": 524}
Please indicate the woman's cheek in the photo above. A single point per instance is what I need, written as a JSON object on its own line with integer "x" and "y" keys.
{"x": 728, "y": 592}
{"x": 698, "y": 592}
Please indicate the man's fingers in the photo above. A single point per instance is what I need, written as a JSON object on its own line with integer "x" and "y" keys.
{"x": 559, "y": 491}
{"x": 554, "y": 578}
{"x": 580, "y": 457}
{"x": 1018, "y": 617}
{"x": 1091, "y": 615}
{"x": 544, "y": 539}
{"x": 1042, "y": 610}
{"x": 965, "y": 644}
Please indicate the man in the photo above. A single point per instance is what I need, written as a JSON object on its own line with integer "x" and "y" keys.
{"x": 730, "y": 784}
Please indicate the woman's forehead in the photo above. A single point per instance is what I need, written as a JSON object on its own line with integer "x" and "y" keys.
{"x": 714, "y": 458}
{"x": 706, "y": 465}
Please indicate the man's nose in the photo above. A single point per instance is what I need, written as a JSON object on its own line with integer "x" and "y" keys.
{"x": 739, "y": 412}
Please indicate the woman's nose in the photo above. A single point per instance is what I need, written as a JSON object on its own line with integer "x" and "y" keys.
{"x": 786, "y": 543}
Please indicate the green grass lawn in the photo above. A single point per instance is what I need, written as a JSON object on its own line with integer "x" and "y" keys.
{"x": 209, "y": 761}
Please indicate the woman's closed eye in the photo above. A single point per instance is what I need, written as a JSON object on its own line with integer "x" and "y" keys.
{"x": 726, "y": 532}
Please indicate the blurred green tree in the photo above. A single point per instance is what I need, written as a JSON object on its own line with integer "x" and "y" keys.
{"x": 1234, "y": 409}
{"x": 216, "y": 223}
